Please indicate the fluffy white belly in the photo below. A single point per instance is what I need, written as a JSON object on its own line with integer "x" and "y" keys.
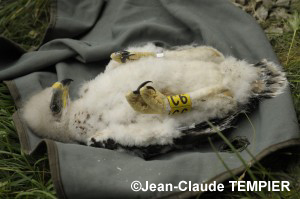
{"x": 112, "y": 117}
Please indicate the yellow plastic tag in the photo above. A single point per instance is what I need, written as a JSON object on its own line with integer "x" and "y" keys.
{"x": 179, "y": 103}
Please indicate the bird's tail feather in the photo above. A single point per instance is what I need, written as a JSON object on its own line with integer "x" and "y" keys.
{"x": 272, "y": 80}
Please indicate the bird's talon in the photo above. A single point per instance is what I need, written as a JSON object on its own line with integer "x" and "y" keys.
{"x": 154, "y": 99}
{"x": 150, "y": 87}
{"x": 137, "y": 91}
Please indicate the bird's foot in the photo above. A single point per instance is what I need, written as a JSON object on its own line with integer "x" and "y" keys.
{"x": 155, "y": 99}
{"x": 202, "y": 53}
{"x": 138, "y": 104}
{"x": 147, "y": 99}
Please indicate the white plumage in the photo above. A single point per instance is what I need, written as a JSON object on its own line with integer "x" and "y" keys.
{"x": 218, "y": 87}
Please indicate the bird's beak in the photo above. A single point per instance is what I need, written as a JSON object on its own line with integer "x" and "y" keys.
{"x": 60, "y": 95}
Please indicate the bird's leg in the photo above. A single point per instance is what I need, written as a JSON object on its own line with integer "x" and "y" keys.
{"x": 149, "y": 100}
{"x": 125, "y": 56}
{"x": 204, "y": 94}
{"x": 183, "y": 102}
{"x": 203, "y": 53}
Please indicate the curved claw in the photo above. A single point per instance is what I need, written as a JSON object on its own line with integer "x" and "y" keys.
{"x": 137, "y": 91}
{"x": 150, "y": 87}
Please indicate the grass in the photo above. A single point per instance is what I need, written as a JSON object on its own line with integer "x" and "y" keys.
{"x": 22, "y": 176}
{"x": 24, "y": 21}
{"x": 287, "y": 48}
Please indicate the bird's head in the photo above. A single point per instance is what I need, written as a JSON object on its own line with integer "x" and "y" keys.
{"x": 46, "y": 112}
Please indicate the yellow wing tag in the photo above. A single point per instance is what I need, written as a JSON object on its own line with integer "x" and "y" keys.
{"x": 179, "y": 103}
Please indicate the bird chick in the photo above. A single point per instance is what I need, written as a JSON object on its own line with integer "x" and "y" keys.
{"x": 183, "y": 87}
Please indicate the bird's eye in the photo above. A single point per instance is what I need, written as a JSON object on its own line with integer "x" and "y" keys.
{"x": 55, "y": 108}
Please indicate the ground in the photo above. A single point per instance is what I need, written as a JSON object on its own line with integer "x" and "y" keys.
{"x": 25, "y": 22}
